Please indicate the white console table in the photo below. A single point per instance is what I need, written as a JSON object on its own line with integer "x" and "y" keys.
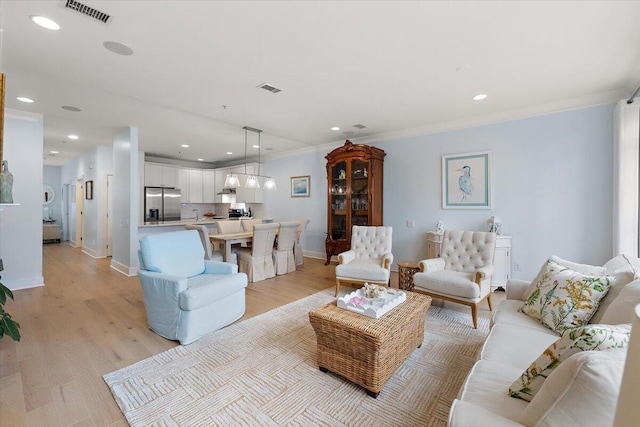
{"x": 501, "y": 258}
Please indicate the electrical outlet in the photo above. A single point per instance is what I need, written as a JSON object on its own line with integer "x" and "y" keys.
{"x": 516, "y": 266}
{"x": 410, "y": 223}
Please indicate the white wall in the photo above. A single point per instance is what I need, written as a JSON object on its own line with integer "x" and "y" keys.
{"x": 552, "y": 182}
{"x": 21, "y": 226}
{"x": 126, "y": 199}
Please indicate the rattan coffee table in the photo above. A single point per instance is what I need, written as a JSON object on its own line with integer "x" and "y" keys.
{"x": 365, "y": 350}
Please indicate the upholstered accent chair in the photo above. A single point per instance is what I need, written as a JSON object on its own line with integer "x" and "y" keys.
{"x": 209, "y": 252}
{"x": 297, "y": 247}
{"x": 463, "y": 272}
{"x": 257, "y": 261}
{"x": 369, "y": 259}
{"x": 185, "y": 296}
{"x": 283, "y": 253}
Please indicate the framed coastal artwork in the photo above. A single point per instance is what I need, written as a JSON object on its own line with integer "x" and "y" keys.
{"x": 466, "y": 180}
{"x": 300, "y": 186}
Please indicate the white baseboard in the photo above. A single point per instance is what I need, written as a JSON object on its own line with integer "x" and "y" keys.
{"x": 126, "y": 270}
{"x": 30, "y": 282}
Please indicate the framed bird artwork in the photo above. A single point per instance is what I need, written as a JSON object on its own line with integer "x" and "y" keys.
{"x": 466, "y": 180}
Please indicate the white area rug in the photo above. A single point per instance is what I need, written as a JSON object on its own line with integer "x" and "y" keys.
{"x": 263, "y": 372}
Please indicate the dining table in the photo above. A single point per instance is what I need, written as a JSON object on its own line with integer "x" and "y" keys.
{"x": 228, "y": 239}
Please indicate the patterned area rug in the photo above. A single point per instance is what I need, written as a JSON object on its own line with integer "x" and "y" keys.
{"x": 263, "y": 372}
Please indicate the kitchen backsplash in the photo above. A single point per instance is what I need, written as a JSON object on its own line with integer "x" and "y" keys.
{"x": 220, "y": 209}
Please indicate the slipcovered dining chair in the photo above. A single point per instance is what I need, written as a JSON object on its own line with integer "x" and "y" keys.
{"x": 369, "y": 259}
{"x": 229, "y": 226}
{"x": 247, "y": 224}
{"x": 257, "y": 261}
{"x": 209, "y": 252}
{"x": 185, "y": 296}
{"x": 463, "y": 272}
{"x": 297, "y": 247}
{"x": 283, "y": 253}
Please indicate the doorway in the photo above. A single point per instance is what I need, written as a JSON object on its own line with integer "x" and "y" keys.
{"x": 79, "y": 208}
{"x": 109, "y": 214}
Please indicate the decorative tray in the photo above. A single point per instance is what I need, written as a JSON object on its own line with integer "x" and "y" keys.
{"x": 374, "y": 307}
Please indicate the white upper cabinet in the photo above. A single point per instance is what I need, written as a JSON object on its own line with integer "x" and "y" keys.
{"x": 209, "y": 186}
{"x": 183, "y": 185}
{"x": 160, "y": 176}
{"x": 195, "y": 186}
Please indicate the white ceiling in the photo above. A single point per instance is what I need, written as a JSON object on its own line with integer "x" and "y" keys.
{"x": 396, "y": 67}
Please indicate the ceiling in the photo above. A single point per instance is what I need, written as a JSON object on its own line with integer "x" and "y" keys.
{"x": 398, "y": 68}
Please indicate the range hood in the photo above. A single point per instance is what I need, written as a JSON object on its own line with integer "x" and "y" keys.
{"x": 227, "y": 191}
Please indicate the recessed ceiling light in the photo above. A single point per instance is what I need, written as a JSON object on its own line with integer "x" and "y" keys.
{"x": 255, "y": 146}
{"x": 72, "y": 136}
{"x": 70, "y": 108}
{"x": 118, "y": 48}
{"x": 229, "y": 153}
{"x": 480, "y": 97}
{"x": 201, "y": 160}
{"x": 184, "y": 145}
{"x": 25, "y": 99}
{"x": 47, "y": 23}
{"x": 53, "y": 152}
{"x": 335, "y": 128}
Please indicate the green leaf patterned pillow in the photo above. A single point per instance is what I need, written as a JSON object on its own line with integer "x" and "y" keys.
{"x": 562, "y": 299}
{"x": 589, "y": 337}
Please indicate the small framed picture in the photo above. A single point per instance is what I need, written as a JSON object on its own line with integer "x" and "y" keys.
{"x": 300, "y": 186}
{"x": 88, "y": 187}
{"x": 466, "y": 180}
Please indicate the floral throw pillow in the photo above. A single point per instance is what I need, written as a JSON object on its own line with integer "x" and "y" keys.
{"x": 586, "y": 338}
{"x": 562, "y": 298}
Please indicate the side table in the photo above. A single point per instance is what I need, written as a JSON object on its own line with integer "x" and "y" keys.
{"x": 406, "y": 270}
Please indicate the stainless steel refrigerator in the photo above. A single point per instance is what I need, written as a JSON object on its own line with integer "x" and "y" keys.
{"x": 161, "y": 204}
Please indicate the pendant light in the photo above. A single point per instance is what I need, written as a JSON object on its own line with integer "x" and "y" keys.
{"x": 253, "y": 179}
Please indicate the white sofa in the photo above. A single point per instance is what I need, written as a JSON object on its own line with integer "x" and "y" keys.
{"x": 583, "y": 392}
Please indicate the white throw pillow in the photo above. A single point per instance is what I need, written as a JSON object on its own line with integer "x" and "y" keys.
{"x": 585, "y": 338}
{"x": 620, "y": 310}
{"x": 563, "y": 298}
{"x": 582, "y": 391}
{"x": 622, "y": 276}
{"x": 589, "y": 270}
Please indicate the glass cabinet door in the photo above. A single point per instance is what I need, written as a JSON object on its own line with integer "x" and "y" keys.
{"x": 359, "y": 192}
{"x": 339, "y": 201}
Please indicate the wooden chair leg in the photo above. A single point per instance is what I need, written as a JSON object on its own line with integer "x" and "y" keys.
{"x": 474, "y": 315}
{"x": 490, "y": 302}
{"x": 337, "y": 287}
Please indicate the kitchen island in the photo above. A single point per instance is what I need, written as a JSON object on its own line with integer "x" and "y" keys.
{"x": 157, "y": 227}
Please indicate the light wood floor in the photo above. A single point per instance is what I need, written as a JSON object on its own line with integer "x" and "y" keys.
{"x": 89, "y": 320}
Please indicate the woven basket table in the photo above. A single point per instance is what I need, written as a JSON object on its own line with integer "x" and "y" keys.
{"x": 365, "y": 350}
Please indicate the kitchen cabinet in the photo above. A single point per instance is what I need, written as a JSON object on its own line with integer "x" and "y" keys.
{"x": 195, "y": 186}
{"x": 183, "y": 185}
{"x": 209, "y": 186}
{"x": 501, "y": 257}
{"x": 156, "y": 175}
{"x": 355, "y": 184}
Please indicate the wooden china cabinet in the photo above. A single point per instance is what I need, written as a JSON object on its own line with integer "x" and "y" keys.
{"x": 354, "y": 177}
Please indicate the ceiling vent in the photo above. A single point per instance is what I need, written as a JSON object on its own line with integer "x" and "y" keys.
{"x": 88, "y": 11}
{"x": 359, "y": 126}
{"x": 270, "y": 88}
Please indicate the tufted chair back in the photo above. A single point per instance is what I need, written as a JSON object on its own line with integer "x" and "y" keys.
{"x": 371, "y": 242}
{"x": 467, "y": 250}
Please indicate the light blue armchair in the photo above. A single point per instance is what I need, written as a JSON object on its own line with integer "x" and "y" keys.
{"x": 185, "y": 296}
